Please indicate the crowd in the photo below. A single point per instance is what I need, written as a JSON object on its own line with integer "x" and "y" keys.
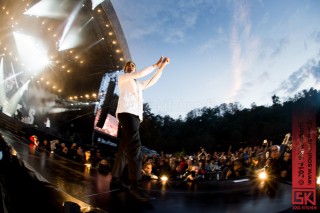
{"x": 74, "y": 152}
{"x": 244, "y": 162}
{"x": 200, "y": 166}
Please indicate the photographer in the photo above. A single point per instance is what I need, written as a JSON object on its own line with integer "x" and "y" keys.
{"x": 194, "y": 174}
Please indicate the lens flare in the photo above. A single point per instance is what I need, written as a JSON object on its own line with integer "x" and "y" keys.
{"x": 263, "y": 175}
{"x": 164, "y": 178}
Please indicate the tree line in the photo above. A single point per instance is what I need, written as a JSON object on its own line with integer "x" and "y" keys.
{"x": 216, "y": 128}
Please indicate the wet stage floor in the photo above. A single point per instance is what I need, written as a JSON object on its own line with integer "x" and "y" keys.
{"x": 62, "y": 180}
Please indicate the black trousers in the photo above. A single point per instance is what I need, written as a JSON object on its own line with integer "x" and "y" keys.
{"x": 129, "y": 151}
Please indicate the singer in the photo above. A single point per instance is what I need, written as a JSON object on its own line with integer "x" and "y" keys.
{"x": 129, "y": 114}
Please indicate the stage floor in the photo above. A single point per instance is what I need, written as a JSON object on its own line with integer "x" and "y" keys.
{"x": 62, "y": 180}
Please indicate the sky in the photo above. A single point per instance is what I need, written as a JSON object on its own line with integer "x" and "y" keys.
{"x": 223, "y": 51}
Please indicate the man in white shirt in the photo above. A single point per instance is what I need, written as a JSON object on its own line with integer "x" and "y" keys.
{"x": 129, "y": 113}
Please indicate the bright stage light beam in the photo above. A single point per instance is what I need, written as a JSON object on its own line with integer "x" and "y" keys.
{"x": 60, "y": 110}
{"x": 85, "y": 24}
{"x": 66, "y": 31}
{"x": 14, "y": 75}
{"x": 71, "y": 40}
{"x": 2, "y": 89}
{"x": 11, "y": 107}
{"x": 91, "y": 45}
{"x": 50, "y": 9}
{"x": 32, "y": 52}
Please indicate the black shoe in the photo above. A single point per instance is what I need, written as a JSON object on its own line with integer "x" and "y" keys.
{"x": 139, "y": 195}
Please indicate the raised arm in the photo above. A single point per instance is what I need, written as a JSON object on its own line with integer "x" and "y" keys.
{"x": 156, "y": 76}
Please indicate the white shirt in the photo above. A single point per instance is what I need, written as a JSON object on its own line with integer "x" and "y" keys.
{"x": 130, "y": 97}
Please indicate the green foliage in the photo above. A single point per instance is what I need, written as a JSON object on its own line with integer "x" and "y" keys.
{"x": 219, "y": 127}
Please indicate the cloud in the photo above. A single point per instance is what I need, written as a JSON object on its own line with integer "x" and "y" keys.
{"x": 177, "y": 23}
{"x": 211, "y": 43}
{"x": 265, "y": 19}
{"x": 313, "y": 37}
{"x": 243, "y": 46}
{"x": 175, "y": 36}
{"x": 311, "y": 69}
{"x": 315, "y": 72}
{"x": 167, "y": 19}
{"x": 316, "y": 36}
{"x": 280, "y": 45}
{"x": 263, "y": 77}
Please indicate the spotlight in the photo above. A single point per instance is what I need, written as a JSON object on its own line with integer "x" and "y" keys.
{"x": 88, "y": 165}
{"x": 262, "y": 175}
{"x": 164, "y": 178}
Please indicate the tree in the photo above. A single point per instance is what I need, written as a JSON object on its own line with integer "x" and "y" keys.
{"x": 276, "y": 100}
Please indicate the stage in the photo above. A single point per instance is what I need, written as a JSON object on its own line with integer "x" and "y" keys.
{"x": 40, "y": 181}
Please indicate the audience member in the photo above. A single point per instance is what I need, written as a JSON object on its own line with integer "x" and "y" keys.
{"x": 44, "y": 146}
{"x": 236, "y": 171}
{"x": 202, "y": 154}
{"x": 194, "y": 174}
{"x": 104, "y": 166}
{"x": 147, "y": 173}
{"x": 96, "y": 159}
{"x": 286, "y": 166}
{"x": 273, "y": 163}
{"x": 34, "y": 140}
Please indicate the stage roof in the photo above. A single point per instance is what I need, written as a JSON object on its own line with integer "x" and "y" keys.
{"x": 82, "y": 41}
